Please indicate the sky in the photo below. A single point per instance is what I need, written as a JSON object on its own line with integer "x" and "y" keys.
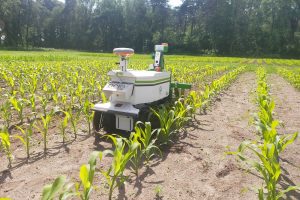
{"x": 173, "y": 3}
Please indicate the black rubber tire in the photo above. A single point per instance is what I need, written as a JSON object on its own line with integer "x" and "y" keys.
{"x": 97, "y": 124}
{"x": 146, "y": 115}
{"x": 109, "y": 122}
{"x": 97, "y": 121}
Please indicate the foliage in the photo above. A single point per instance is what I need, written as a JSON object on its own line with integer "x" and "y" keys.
{"x": 63, "y": 189}
{"x": 146, "y": 137}
{"x": 64, "y": 125}
{"x": 249, "y": 28}
{"x": 43, "y": 128}
{"x": 267, "y": 151}
{"x": 114, "y": 174}
{"x": 5, "y": 144}
{"x": 25, "y": 138}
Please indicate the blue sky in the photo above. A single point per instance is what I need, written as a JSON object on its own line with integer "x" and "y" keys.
{"x": 173, "y": 3}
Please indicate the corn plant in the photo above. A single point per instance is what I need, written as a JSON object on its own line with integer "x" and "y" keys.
{"x": 267, "y": 165}
{"x": 63, "y": 189}
{"x": 33, "y": 84}
{"x": 21, "y": 90}
{"x": 25, "y": 138}
{"x": 114, "y": 174}
{"x": 183, "y": 112}
{"x": 146, "y": 137}
{"x": 5, "y": 143}
{"x": 167, "y": 121}
{"x": 74, "y": 118}
{"x": 43, "y": 128}
{"x": 87, "y": 173}
{"x": 18, "y": 105}
{"x": 47, "y": 91}
{"x": 60, "y": 188}
{"x": 10, "y": 82}
{"x": 88, "y": 115}
{"x": 137, "y": 156}
{"x": 32, "y": 101}
{"x": 64, "y": 101}
{"x": 6, "y": 114}
{"x": 44, "y": 103}
{"x": 64, "y": 125}
{"x": 194, "y": 101}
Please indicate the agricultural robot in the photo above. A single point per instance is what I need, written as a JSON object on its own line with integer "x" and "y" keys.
{"x": 131, "y": 93}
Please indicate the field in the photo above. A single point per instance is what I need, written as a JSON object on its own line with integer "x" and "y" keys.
{"x": 233, "y": 136}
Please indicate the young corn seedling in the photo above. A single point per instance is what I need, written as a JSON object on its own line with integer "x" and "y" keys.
{"x": 44, "y": 104}
{"x": 25, "y": 138}
{"x": 267, "y": 165}
{"x": 21, "y": 90}
{"x": 62, "y": 189}
{"x": 99, "y": 90}
{"x": 146, "y": 137}
{"x": 137, "y": 156}
{"x": 59, "y": 189}
{"x": 194, "y": 101}
{"x": 74, "y": 118}
{"x": 33, "y": 105}
{"x": 63, "y": 101}
{"x": 183, "y": 113}
{"x": 46, "y": 92}
{"x": 64, "y": 125}
{"x": 18, "y": 105}
{"x": 44, "y": 130}
{"x": 87, "y": 173}
{"x": 6, "y": 114}
{"x": 168, "y": 122}
{"x": 79, "y": 91}
{"x": 33, "y": 83}
{"x": 10, "y": 82}
{"x": 5, "y": 143}
{"x": 88, "y": 114}
{"x": 114, "y": 175}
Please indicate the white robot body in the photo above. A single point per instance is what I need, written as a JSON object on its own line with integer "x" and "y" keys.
{"x": 127, "y": 89}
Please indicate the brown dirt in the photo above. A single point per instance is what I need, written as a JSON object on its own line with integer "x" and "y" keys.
{"x": 195, "y": 167}
{"x": 287, "y": 110}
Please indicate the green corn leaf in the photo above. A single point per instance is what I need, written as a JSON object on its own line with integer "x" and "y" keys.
{"x": 283, "y": 192}
{"x": 50, "y": 191}
{"x": 84, "y": 176}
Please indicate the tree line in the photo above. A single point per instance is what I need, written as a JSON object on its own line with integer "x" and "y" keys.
{"x": 221, "y": 27}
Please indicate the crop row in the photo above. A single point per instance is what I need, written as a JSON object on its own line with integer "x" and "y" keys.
{"x": 143, "y": 144}
{"x": 61, "y": 94}
{"x": 290, "y": 75}
{"x": 263, "y": 155}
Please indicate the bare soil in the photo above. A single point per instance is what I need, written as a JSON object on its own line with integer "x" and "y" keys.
{"x": 195, "y": 167}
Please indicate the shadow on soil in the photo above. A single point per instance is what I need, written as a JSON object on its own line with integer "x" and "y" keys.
{"x": 178, "y": 146}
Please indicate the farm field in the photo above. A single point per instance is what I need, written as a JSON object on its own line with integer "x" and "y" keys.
{"x": 46, "y": 103}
